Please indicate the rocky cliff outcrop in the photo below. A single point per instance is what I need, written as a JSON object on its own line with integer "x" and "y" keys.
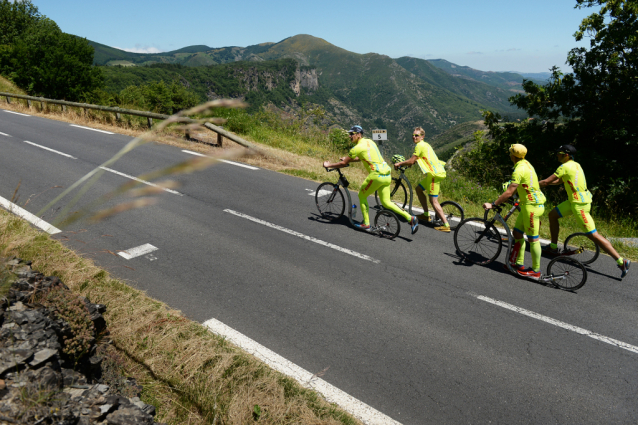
{"x": 306, "y": 78}
{"x": 252, "y": 79}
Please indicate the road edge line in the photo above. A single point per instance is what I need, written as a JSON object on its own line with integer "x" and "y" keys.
{"x": 31, "y": 218}
{"x": 355, "y": 407}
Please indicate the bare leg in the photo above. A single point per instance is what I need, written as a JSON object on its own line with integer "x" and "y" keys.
{"x": 434, "y": 200}
{"x": 604, "y": 244}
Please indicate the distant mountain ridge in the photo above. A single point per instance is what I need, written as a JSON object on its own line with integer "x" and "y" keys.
{"x": 539, "y": 76}
{"x": 373, "y": 90}
{"x": 505, "y": 80}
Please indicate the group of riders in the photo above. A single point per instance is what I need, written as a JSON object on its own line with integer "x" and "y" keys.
{"x": 524, "y": 181}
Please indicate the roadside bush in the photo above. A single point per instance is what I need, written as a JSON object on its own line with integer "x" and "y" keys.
{"x": 487, "y": 162}
{"x": 157, "y": 96}
{"x": 339, "y": 139}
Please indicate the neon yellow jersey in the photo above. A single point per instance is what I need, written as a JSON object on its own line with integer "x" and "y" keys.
{"x": 368, "y": 152}
{"x": 529, "y": 192}
{"x": 428, "y": 161}
{"x": 573, "y": 177}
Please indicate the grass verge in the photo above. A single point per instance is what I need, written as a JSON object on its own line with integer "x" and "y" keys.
{"x": 189, "y": 374}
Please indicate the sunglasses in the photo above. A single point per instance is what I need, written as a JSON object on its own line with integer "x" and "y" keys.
{"x": 416, "y": 135}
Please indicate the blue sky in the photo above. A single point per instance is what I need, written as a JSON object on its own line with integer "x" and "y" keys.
{"x": 490, "y": 35}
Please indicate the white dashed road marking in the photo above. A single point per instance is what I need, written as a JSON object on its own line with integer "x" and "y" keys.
{"x": 137, "y": 251}
{"x": 50, "y": 150}
{"x": 36, "y": 221}
{"x": 560, "y": 324}
{"x": 323, "y": 192}
{"x": 92, "y": 129}
{"x": 302, "y": 236}
{"x": 367, "y": 414}
{"x": 5, "y": 134}
{"x": 140, "y": 180}
{"x": 222, "y": 160}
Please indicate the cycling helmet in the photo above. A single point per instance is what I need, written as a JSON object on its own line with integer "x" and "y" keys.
{"x": 356, "y": 129}
{"x": 518, "y": 150}
{"x": 397, "y": 158}
{"x": 566, "y": 149}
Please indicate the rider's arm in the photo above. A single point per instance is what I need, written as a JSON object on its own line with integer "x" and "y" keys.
{"x": 344, "y": 162}
{"x": 504, "y": 196}
{"x": 409, "y": 162}
{"x": 553, "y": 179}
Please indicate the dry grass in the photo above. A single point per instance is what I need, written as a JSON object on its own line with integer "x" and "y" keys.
{"x": 189, "y": 374}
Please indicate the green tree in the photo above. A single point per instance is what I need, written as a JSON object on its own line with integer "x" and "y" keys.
{"x": 593, "y": 108}
{"x": 157, "y": 96}
{"x": 42, "y": 59}
{"x": 15, "y": 18}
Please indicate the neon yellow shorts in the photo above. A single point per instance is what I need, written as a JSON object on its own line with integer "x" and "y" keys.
{"x": 431, "y": 184}
{"x": 528, "y": 221}
{"x": 581, "y": 211}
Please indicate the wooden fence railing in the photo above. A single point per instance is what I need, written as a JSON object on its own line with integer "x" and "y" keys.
{"x": 120, "y": 111}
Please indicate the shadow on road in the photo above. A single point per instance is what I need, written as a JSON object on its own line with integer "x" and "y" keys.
{"x": 343, "y": 221}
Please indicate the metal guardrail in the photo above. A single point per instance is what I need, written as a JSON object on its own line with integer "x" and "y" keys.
{"x": 119, "y": 111}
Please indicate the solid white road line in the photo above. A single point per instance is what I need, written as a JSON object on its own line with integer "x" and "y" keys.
{"x": 365, "y": 413}
{"x": 302, "y": 236}
{"x": 49, "y": 149}
{"x": 140, "y": 180}
{"x": 4, "y": 134}
{"x": 36, "y": 221}
{"x": 137, "y": 251}
{"x": 92, "y": 129}
{"x": 222, "y": 160}
{"x": 17, "y": 113}
{"x": 560, "y": 324}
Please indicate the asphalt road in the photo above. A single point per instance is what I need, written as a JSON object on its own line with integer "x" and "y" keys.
{"x": 418, "y": 335}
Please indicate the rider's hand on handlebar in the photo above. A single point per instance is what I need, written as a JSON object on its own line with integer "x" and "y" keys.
{"x": 487, "y": 206}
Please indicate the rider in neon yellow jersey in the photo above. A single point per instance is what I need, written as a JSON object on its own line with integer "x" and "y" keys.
{"x": 525, "y": 183}
{"x": 434, "y": 171}
{"x": 579, "y": 204}
{"x": 378, "y": 179}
